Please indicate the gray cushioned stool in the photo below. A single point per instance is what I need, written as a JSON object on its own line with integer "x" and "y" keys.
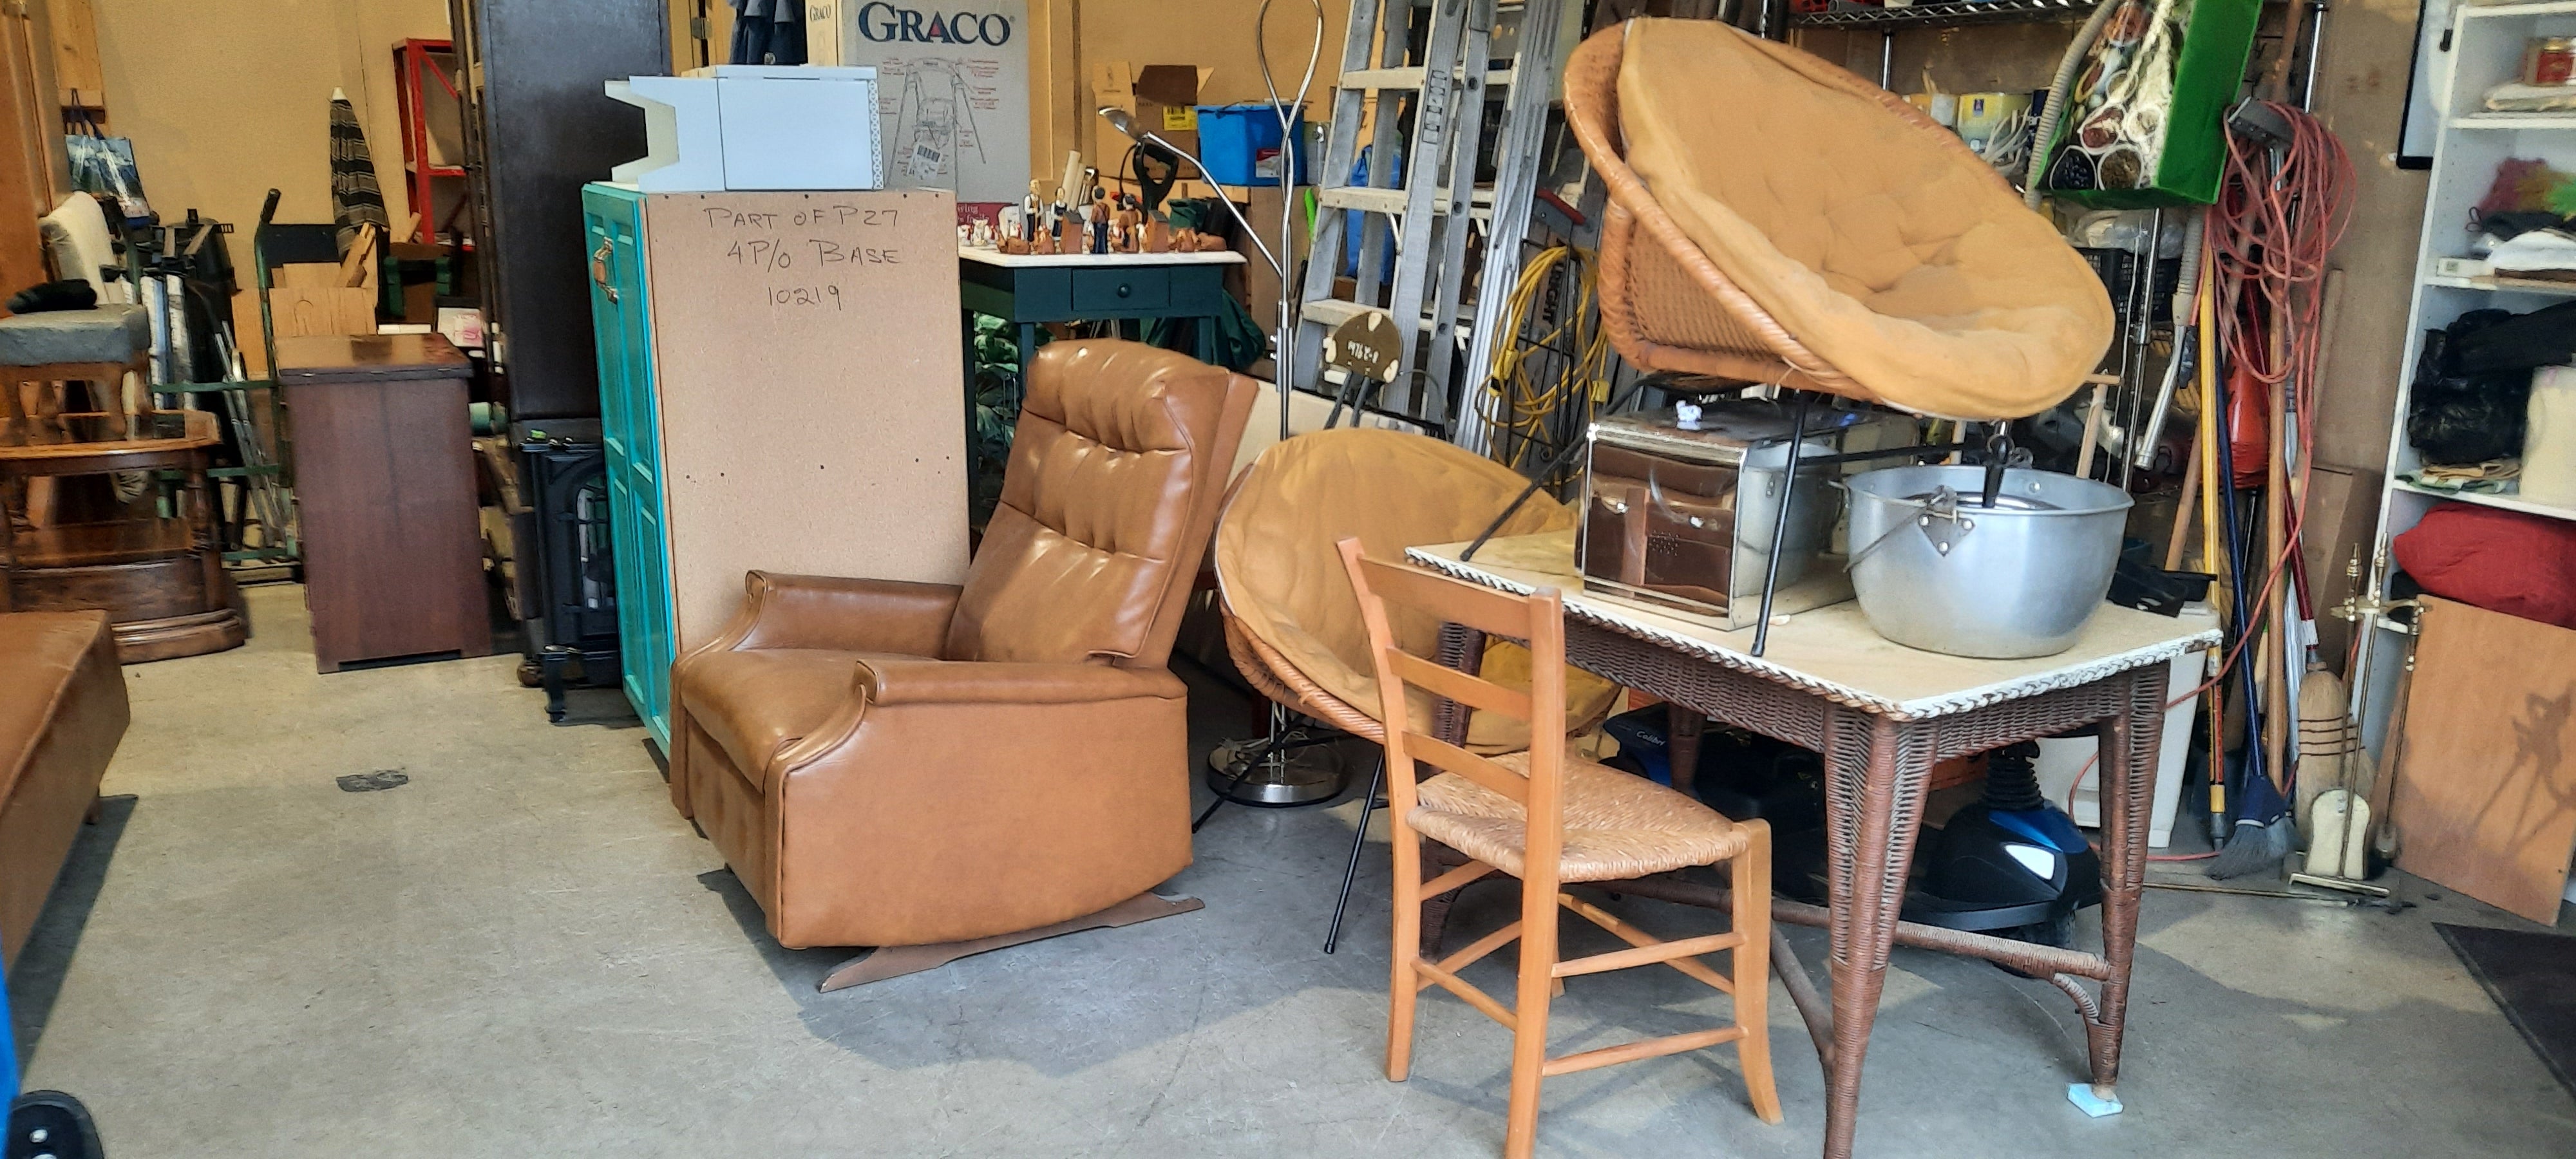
{"x": 96, "y": 346}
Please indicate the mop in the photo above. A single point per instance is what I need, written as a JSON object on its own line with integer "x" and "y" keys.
{"x": 2261, "y": 834}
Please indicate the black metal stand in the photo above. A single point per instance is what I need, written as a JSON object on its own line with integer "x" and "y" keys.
{"x": 1359, "y": 840}
{"x": 1780, "y": 523}
{"x": 1277, "y": 744}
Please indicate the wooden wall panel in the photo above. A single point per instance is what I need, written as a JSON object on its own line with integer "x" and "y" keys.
{"x": 2486, "y": 789}
{"x": 27, "y": 125}
{"x": 78, "y": 77}
{"x": 811, "y": 383}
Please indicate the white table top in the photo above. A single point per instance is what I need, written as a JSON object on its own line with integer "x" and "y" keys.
{"x": 1832, "y": 650}
{"x": 1024, "y": 261}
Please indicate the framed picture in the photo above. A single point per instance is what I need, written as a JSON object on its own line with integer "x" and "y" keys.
{"x": 2427, "y": 78}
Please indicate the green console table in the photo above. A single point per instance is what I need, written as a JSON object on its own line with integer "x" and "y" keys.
{"x": 1029, "y": 290}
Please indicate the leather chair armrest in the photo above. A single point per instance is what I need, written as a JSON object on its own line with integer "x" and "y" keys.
{"x": 849, "y": 615}
{"x": 889, "y": 682}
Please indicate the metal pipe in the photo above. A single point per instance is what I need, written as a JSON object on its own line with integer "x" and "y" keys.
{"x": 2186, "y": 325}
{"x": 2316, "y": 50}
{"x": 1780, "y": 524}
{"x": 1292, "y": 156}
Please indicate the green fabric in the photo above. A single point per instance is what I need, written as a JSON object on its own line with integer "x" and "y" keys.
{"x": 1240, "y": 341}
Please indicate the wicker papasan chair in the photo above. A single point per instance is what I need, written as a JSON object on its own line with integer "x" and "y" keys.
{"x": 1292, "y": 623}
{"x": 1775, "y": 219}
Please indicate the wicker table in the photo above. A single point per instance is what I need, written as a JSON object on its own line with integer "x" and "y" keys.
{"x": 1882, "y": 714}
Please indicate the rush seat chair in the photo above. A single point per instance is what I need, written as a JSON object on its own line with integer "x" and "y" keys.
{"x": 1551, "y": 819}
{"x": 1291, "y": 624}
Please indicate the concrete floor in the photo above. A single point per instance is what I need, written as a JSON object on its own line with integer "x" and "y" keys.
{"x": 524, "y": 951}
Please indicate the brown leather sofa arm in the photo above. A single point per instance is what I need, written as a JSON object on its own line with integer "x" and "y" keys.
{"x": 850, "y": 615}
{"x": 889, "y": 682}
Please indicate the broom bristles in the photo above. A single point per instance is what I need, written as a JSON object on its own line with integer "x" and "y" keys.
{"x": 2252, "y": 848}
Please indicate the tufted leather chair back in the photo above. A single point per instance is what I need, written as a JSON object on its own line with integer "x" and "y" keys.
{"x": 1116, "y": 474}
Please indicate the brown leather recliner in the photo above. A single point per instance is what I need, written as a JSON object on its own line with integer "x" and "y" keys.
{"x": 900, "y": 764}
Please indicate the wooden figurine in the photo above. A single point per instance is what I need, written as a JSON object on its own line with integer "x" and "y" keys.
{"x": 1130, "y": 225}
{"x": 1158, "y": 236}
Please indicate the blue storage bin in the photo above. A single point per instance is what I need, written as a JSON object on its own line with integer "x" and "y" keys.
{"x": 1239, "y": 142}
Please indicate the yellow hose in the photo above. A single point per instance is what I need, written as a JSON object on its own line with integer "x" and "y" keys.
{"x": 1510, "y": 399}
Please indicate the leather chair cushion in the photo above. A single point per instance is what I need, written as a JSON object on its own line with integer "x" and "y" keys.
{"x": 755, "y": 703}
{"x": 1095, "y": 508}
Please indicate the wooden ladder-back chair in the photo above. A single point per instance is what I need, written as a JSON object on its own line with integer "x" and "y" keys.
{"x": 1550, "y": 819}
{"x": 1898, "y": 266}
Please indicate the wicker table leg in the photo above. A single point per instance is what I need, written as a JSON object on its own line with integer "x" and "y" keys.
{"x": 2128, "y": 797}
{"x": 1877, "y": 774}
{"x": 1683, "y": 728}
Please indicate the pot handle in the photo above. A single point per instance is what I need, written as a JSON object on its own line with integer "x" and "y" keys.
{"x": 1937, "y": 517}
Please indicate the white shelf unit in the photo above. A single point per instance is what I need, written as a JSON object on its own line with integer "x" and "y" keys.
{"x": 2485, "y": 50}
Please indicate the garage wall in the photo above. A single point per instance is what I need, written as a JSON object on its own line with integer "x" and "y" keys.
{"x": 1068, "y": 36}
{"x": 227, "y": 98}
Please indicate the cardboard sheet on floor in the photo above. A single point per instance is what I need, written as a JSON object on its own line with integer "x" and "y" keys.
{"x": 2485, "y": 800}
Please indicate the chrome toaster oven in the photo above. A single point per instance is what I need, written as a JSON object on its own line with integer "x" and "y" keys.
{"x": 1679, "y": 507}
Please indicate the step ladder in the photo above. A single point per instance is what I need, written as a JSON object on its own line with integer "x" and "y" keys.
{"x": 1424, "y": 206}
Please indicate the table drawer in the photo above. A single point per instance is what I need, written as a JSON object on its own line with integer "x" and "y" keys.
{"x": 1121, "y": 289}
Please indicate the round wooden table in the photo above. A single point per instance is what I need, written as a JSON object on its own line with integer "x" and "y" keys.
{"x": 160, "y": 578}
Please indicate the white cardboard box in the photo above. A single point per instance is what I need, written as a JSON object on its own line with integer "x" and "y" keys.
{"x": 754, "y": 127}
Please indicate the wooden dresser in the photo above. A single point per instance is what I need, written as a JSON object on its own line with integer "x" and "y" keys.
{"x": 384, "y": 485}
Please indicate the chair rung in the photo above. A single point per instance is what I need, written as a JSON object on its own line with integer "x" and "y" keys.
{"x": 1639, "y": 938}
{"x": 1662, "y": 952}
{"x": 1466, "y": 990}
{"x": 1642, "y": 1048}
{"x": 1480, "y": 947}
{"x": 1459, "y": 878}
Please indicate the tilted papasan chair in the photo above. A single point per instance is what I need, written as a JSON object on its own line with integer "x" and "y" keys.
{"x": 1292, "y": 623}
{"x": 1776, "y": 219}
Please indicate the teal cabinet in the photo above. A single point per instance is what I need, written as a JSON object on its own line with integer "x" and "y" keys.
{"x": 630, "y": 428}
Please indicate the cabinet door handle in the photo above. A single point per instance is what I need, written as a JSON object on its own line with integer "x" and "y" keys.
{"x": 599, "y": 269}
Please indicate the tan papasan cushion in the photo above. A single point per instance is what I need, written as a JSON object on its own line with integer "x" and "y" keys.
{"x": 1895, "y": 255}
{"x": 1283, "y": 582}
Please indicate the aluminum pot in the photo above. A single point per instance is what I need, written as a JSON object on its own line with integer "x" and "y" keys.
{"x": 1935, "y": 570}
{"x": 1813, "y": 512}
